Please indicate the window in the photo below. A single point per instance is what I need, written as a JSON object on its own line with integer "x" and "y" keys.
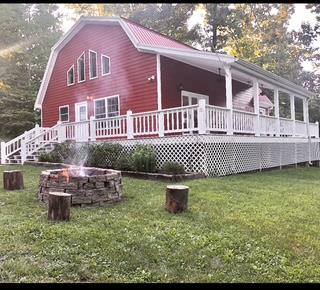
{"x": 64, "y": 114}
{"x": 70, "y": 76}
{"x": 81, "y": 68}
{"x": 93, "y": 64}
{"x": 108, "y": 107}
{"x": 105, "y": 65}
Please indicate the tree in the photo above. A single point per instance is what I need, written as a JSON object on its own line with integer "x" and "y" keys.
{"x": 36, "y": 30}
{"x": 168, "y": 19}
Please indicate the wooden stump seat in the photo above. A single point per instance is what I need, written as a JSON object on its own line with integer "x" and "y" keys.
{"x": 13, "y": 180}
{"x": 59, "y": 206}
{"x": 177, "y": 198}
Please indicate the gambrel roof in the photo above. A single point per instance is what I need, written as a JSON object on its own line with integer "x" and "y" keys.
{"x": 149, "y": 41}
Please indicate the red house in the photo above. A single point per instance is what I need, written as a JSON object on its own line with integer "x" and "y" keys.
{"x": 109, "y": 78}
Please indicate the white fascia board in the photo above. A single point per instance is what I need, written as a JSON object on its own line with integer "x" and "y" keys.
{"x": 271, "y": 78}
{"x": 187, "y": 53}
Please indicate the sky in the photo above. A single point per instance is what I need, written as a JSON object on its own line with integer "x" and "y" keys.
{"x": 301, "y": 14}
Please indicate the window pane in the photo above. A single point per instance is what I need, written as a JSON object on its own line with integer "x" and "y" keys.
{"x": 83, "y": 113}
{"x": 100, "y": 109}
{"x": 105, "y": 65}
{"x": 93, "y": 64}
{"x": 113, "y": 107}
{"x": 81, "y": 68}
{"x": 70, "y": 76}
{"x": 64, "y": 114}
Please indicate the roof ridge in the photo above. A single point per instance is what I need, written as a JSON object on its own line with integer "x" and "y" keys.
{"x": 166, "y": 36}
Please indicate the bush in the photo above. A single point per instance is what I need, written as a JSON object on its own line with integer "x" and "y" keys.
{"x": 144, "y": 158}
{"x": 52, "y": 156}
{"x": 104, "y": 155}
{"x": 171, "y": 167}
{"x": 124, "y": 162}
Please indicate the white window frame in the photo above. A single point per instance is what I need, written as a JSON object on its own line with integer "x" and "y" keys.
{"x": 72, "y": 67}
{"x": 106, "y": 105}
{"x": 84, "y": 67}
{"x": 193, "y": 95}
{"x": 90, "y": 77}
{"x": 65, "y": 106}
{"x": 102, "y": 56}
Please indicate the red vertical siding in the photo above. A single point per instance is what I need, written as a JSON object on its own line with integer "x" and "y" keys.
{"x": 128, "y": 79}
{"x": 175, "y": 74}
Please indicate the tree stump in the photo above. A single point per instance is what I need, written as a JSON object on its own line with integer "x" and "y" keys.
{"x": 13, "y": 180}
{"x": 177, "y": 198}
{"x": 59, "y": 206}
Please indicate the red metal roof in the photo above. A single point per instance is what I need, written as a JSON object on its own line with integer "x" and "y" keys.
{"x": 146, "y": 36}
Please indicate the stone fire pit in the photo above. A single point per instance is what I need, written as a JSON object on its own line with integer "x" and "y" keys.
{"x": 88, "y": 186}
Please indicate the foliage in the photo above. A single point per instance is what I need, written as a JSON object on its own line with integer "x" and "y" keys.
{"x": 255, "y": 227}
{"x": 104, "y": 155}
{"x": 144, "y": 158}
{"x": 28, "y": 31}
{"x": 124, "y": 162}
{"x": 52, "y": 156}
{"x": 171, "y": 167}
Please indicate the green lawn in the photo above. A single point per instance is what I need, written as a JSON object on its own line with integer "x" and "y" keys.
{"x": 259, "y": 227}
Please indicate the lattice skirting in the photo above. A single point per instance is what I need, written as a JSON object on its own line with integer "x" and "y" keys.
{"x": 218, "y": 155}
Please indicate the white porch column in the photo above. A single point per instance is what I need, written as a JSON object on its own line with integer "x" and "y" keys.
{"x": 306, "y": 116}
{"x": 277, "y": 111}
{"x": 129, "y": 125}
{"x": 293, "y": 115}
{"x": 255, "y": 90}
{"x": 23, "y": 152}
{"x": 202, "y": 117}
{"x": 228, "y": 78}
{"x": 92, "y": 129}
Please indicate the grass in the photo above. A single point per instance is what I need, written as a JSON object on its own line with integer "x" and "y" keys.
{"x": 259, "y": 227}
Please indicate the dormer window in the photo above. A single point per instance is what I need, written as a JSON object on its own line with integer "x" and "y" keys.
{"x": 81, "y": 68}
{"x": 93, "y": 64}
{"x": 70, "y": 76}
{"x": 105, "y": 65}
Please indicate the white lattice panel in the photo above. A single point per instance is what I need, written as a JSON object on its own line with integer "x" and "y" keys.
{"x": 218, "y": 155}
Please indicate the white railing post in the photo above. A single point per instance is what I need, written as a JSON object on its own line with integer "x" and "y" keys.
{"x": 36, "y": 133}
{"x": 129, "y": 125}
{"x": 228, "y": 80}
{"x": 23, "y": 149}
{"x": 3, "y": 153}
{"x": 92, "y": 129}
{"x": 277, "y": 111}
{"x": 202, "y": 117}
{"x": 305, "y": 117}
{"x": 317, "y": 132}
{"x": 161, "y": 124}
{"x": 60, "y": 132}
{"x": 256, "y": 93}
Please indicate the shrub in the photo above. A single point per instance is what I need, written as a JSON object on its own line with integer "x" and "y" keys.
{"x": 52, "y": 156}
{"x": 124, "y": 162}
{"x": 144, "y": 158}
{"x": 104, "y": 155}
{"x": 171, "y": 167}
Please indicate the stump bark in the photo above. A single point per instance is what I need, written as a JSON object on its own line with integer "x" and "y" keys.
{"x": 13, "y": 180}
{"x": 177, "y": 198}
{"x": 59, "y": 206}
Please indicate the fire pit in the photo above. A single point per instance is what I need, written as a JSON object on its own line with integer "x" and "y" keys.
{"x": 88, "y": 186}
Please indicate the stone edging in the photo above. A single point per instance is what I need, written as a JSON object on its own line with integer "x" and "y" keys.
{"x": 134, "y": 174}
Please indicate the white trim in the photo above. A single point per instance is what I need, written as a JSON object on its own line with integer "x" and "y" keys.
{"x": 103, "y": 55}
{"x": 159, "y": 93}
{"x": 84, "y": 66}
{"x": 76, "y": 115}
{"x": 65, "y": 106}
{"x": 97, "y": 71}
{"x": 106, "y": 104}
{"x": 72, "y": 67}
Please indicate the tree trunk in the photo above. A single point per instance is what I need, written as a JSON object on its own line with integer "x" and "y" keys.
{"x": 177, "y": 198}
{"x": 13, "y": 180}
{"x": 59, "y": 206}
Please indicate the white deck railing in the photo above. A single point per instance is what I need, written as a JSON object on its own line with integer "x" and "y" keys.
{"x": 195, "y": 119}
